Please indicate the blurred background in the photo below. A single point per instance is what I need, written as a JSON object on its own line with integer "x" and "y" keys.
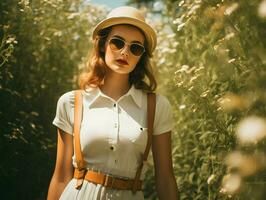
{"x": 210, "y": 62}
{"x": 109, "y": 4}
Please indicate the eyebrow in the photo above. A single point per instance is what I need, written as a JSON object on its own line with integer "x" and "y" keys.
{"x": 135, "y": 41}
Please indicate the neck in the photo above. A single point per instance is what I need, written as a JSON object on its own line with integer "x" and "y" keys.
{"x": 115, "y": 85}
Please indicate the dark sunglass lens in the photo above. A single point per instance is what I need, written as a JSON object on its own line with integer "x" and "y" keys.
{"x": 136, "y": 49}
{"x": 116, "y": 44}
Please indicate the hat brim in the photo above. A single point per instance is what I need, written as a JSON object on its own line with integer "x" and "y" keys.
{"x": 149, "y": 32}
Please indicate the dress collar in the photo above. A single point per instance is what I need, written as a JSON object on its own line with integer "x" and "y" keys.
{"x": 136, "y": 95}
{"x": 92, "y": 94}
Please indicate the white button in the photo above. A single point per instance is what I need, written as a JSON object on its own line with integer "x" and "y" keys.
{"x": 115, "y": 125}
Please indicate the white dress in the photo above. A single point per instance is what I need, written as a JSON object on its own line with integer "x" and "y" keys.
{"x": 113, "y": 137}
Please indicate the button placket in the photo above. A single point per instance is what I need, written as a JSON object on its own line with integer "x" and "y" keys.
{"x": 116, "y": 121}
{"x": 116, "y": 134}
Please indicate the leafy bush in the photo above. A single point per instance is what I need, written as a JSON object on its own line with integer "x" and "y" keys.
{"x": 211, "y": 64}
{"x": 43, "y": 45}
{"x": 215, "y": 52}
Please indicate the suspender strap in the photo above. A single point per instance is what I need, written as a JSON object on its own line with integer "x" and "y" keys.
{"x": 77, "y": 148}
{"x": 151, "y": 106}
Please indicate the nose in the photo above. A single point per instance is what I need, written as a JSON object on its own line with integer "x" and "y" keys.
{"x": 125, "y": 50}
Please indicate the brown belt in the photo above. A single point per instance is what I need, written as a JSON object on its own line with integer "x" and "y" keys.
{"x": 107, "y": 180}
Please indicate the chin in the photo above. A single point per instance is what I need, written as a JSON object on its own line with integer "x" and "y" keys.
{"x": 121, "y": 72}
{"x": 121, "y": 69}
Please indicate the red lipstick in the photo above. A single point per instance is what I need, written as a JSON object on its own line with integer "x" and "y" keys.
{"x": 122, "y": 62}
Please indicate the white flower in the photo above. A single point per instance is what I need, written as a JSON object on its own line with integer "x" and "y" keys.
{"x": 181, "y": 3}
{"x": 76, "y": 36}
{"x": 191, "y": 88}
{"x": 172, "y": 35}
{"x": 58, "y": 33}
{"x": 175, "y": 44}
{"x": 205, "y": 93}
{"x": 262, "y": 9}
{"x": 231, "y": 9}
{"x": 231, "y": 60}
{"x": 161, "y": 61}
{"x": 230, "y": 101}
{"x": 178, "y": 21}
{"x": 230, "y": 184}
{"x": 180, "y": 26}
{"x": 158, "y": 6}
{"x": 24, "y": 2}
{"x": 184, "y": 68}
{"x": 193, "y": 9}
{"x": 181, "y": 107}
{"x": 251, "y": 129}
{"x": 246, "y": 165}
{"x": 73, "y": 15}
{"x": 211, "y": 179}
{"x": 229, "y": 36}
{"x": 11, "y": 40}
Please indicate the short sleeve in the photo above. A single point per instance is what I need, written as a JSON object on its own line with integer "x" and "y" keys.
{"x": 163, "y": 121}
{"x": 64, "y": 112}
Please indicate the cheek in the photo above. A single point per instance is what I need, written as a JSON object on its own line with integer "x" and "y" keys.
{"x": 135, "y": 61}
{"x": 108, "y": 56}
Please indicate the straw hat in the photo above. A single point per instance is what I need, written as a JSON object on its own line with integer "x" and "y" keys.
{"x": 132, "y": 16}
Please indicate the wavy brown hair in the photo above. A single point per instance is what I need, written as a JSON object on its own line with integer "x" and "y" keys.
{"x": 141, "y": 77}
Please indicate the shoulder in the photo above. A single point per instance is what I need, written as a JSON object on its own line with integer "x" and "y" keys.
{"x": 67, "y": 98}
{"x": 163, "y": 121}
{"x": 162, "y": 101}
{"x": 64, "y": 112}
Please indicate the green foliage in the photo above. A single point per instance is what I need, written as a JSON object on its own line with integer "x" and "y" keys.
{"x": 43, "y": 45}
{"x": 207, "y": 51}
{"x": 215, "y": 47}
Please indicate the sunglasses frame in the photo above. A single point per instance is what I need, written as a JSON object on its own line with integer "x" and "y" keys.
{"x": 128, "y": 44}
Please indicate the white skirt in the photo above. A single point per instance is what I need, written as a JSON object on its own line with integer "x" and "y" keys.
{"x": 91, "y": 191}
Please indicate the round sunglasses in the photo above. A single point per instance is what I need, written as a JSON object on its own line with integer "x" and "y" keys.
{"x": 117, "y": 44}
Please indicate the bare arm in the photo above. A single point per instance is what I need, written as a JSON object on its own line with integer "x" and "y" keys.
{"x": 63, "y": 172}
{"x": 164, "y": 175}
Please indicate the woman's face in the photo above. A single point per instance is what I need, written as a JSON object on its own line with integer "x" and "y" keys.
{"x": 123, "y": 61}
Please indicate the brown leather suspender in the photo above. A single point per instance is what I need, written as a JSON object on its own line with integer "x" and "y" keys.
{"x": 81, "y": 170}
{"x": 151, "y": 104}
{"x": 78, "y": 110}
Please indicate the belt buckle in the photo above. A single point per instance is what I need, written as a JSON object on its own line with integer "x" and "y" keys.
{"x": 106, "y": 181}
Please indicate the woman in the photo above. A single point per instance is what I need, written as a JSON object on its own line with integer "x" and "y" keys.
{"x": 113, "y": 131}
